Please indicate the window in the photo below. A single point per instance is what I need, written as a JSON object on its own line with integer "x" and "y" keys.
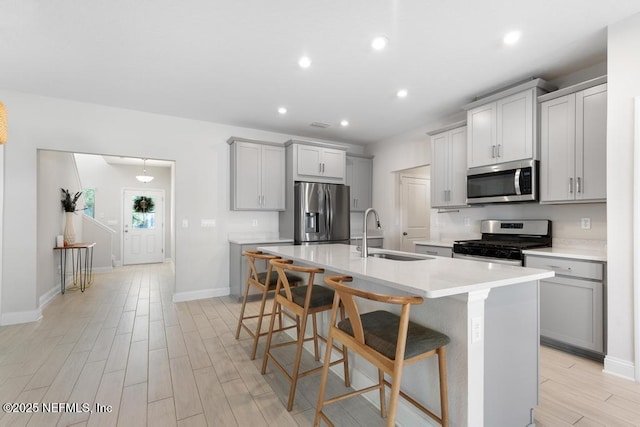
{"x": 89, "y": 196}
{"x": 143, "y": 212}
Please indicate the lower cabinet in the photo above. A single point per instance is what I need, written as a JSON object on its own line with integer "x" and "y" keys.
{"x": 434, "y": 250}
{"x": 572, "y": 305}
{"x": 239, "y": 267}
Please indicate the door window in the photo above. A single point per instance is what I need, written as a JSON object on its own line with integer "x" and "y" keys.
{"x": 143, "y": 213}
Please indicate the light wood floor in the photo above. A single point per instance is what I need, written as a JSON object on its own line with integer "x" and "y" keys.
{"x": 124, "y": 343}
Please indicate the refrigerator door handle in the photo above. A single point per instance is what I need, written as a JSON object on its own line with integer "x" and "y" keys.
{"x": 329, "y": 213}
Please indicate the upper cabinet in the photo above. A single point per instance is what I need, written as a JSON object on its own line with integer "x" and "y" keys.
{"x": 449, "y": 167}
{"x": 573, "y": 134}
{"x": 257, "y": 175}
{"x": 317, "y": 162}
{"x": 501, "y": 127}
{"x": 359, "y": 176}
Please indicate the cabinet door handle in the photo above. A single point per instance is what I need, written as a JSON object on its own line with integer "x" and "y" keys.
{"x": 323, "y": 168}
{"x": 493, "y": 151}
{"x": 320, "y": 167}
{"x": 499, "y": 153}
{"x": 263, "y": 202}
{"x": 570, "y": 185}
{"x": 578, "y": 185}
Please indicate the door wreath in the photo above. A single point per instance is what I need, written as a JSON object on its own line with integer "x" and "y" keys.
{"x": 143, "y": 204}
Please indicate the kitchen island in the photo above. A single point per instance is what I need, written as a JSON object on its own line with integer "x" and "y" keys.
{"x": 489, "y": 311}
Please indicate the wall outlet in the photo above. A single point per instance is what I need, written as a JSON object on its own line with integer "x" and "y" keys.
{"x": 585, "y": 223}
{"x": 185, "y": 223}
{"x": 254, "y": 223}
{"x": 476, "y": 329}
{"x": 467, "y": 222}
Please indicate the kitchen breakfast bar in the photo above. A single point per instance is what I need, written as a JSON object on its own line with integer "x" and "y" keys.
{"x": 490, "y": 312}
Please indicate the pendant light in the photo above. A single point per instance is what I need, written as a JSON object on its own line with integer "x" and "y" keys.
{"x": 144, "y": 177}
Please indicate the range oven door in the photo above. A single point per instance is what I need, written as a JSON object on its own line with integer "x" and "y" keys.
{"x": 486, "y": 259}
{"x": 506, "y": 182}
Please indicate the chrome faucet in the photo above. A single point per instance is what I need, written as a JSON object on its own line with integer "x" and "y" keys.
{"x": 365, "y": 245}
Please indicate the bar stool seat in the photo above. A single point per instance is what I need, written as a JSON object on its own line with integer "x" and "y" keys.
{"x": 387, "y": 341}
{"x": 265, "y": 282}
{"x": 381, "y": 333}
{"x": 321, "y": 296}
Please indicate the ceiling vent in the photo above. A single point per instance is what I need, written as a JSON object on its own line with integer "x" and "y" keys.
{"x": 320, "y": 125}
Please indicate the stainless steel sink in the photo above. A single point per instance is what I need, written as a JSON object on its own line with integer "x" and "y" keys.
{"x": 396, "y": 257}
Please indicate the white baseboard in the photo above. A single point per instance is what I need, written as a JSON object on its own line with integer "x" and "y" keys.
{"x": 195, "y": 295}
{"x": 48, "y": 296}
{"x": 16, "y": 317}
{"x": 620, "y": 368}
{"x": 102, "y": 269}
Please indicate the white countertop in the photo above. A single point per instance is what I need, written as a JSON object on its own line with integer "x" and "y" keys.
{"x": 432, "y": 277}
{"x": 586, "y": 254}
{"x": 439, "y": 243}
{"x": 258, "y": 240}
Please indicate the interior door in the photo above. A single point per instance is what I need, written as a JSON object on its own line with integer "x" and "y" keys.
{"x": 415, "y": 205}
{"x": 143, "y": 226}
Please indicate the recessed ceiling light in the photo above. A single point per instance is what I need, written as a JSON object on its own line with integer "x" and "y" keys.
{"x": 282, "y": 110}
{"x": 344, "y": 123}
{"x": 512, "y": 37}
{"x": 402, "y": 93}
{"x": 379, "y": 42}
{"x": 304, "y": 62}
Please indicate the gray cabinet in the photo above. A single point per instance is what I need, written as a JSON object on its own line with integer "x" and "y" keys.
{"x": 573, "y": 136}
{"x": 502, "y": 127}
{"x": 572, "y": 304}
{"x": 239, "y": 267}
{"x": 434, "y": 250}
{"x": 449, "y": 168}
{"x": 359, "y": 177}
{"x": 317, "y": 162}
{"x": 257, "y": 175}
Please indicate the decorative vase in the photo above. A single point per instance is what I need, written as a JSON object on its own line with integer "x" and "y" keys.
{"x": 69, "y": 232}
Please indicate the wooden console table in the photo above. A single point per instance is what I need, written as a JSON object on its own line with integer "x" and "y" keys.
{"x": 82, "y": 267}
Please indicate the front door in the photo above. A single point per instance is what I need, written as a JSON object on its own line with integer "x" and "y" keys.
{"x": 415, "y": 205}
{"x": 143, "y": 226}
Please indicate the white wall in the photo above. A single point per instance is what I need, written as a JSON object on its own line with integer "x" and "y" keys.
{"x": 56, "y": 170}
{"x": 109, "y": 180}
{"x": 623, "y": 86}
{"x": 201, "y": 157}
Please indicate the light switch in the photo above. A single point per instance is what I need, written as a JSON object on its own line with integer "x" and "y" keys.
{"x": 207, "y": 223}
{"x": 476, "y": 329}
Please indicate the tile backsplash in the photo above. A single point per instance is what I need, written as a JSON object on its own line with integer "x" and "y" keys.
{"x": 567, "y": 220}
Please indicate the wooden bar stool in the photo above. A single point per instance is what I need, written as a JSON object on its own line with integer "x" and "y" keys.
{"x": 386, "y": 340}
{"x": 265, "y": 282}
{"x": 303, "y": 301}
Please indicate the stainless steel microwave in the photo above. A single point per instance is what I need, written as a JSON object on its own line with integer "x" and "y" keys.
{"x": 504, "y": 182}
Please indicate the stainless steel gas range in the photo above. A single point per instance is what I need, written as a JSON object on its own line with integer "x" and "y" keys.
{"x": 504, "y": 240}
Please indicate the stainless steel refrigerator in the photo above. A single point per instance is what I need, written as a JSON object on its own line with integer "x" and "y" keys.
{"x": 321, "y": 213}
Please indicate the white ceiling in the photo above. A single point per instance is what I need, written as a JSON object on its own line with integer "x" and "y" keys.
{"x": 235, "y": 62}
